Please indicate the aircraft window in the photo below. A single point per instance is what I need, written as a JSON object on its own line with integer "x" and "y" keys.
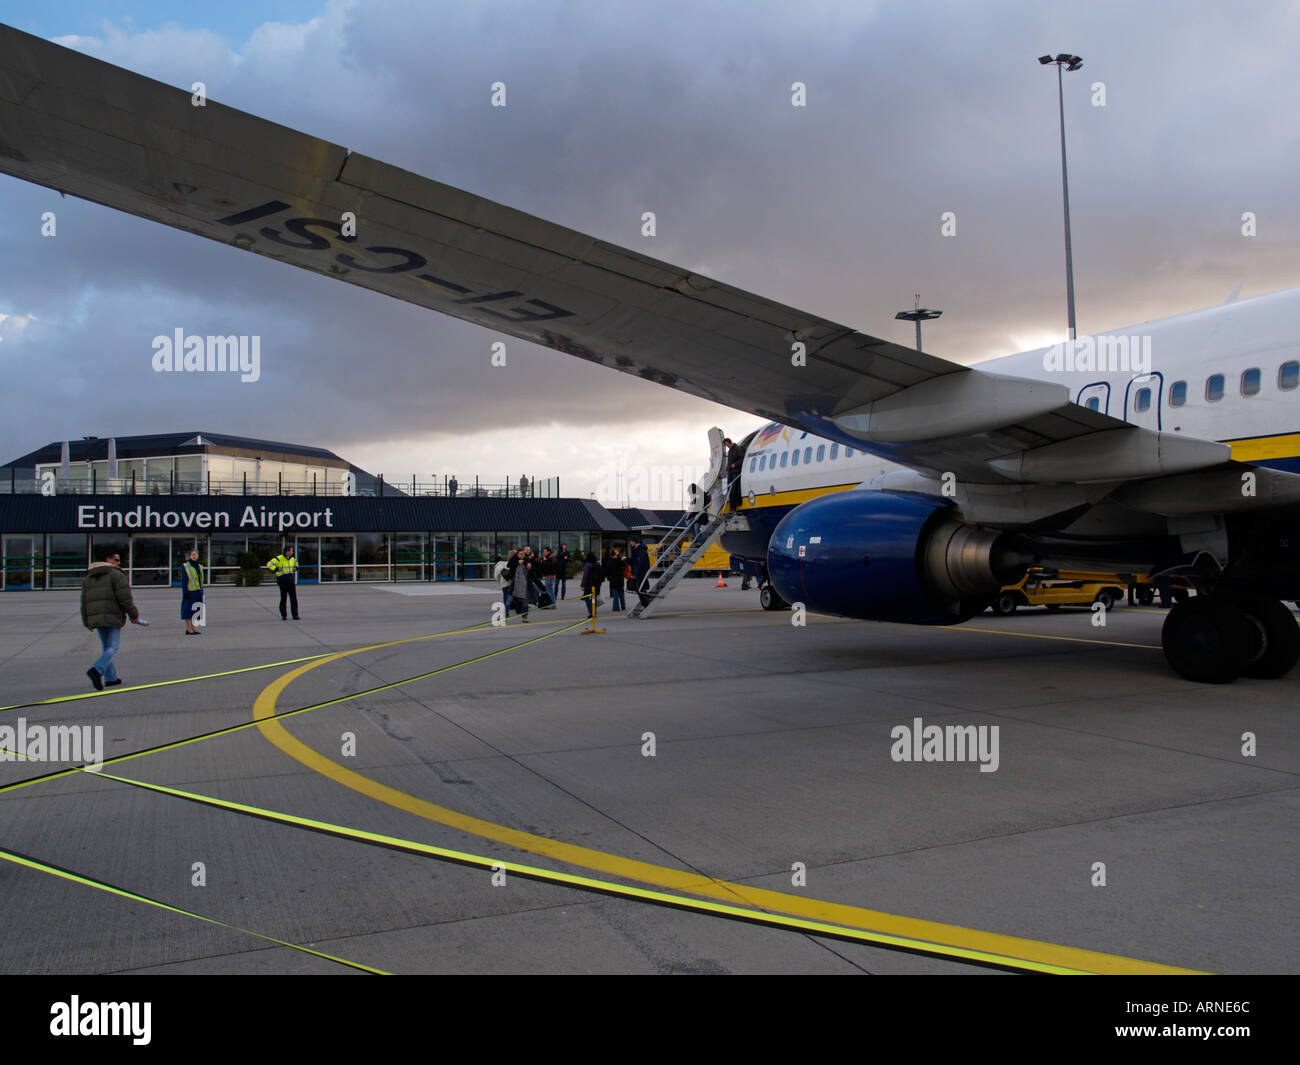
{"x": 1250, "y": 382}
{"x": 835, "y": 451}
{"x": 807, "y": 454}
{"x": 785, "y": 455}
{"x": 794, "y": 459}
{"x": 753, "y": 465}
{"x": 1178, "y": 393}
{"x": 1094, "y": 403}
{"x": 1142, "y": 401}
{"x": 848, "y": 452}
{"x": 1288, "y": 375}
{"x": 1214, "y": 388}
{"x": 821, "y": 452}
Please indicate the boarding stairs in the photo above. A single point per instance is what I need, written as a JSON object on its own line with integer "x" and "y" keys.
{"x": 679, "y": 550}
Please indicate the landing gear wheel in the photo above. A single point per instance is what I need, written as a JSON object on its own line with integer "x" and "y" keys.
{"x": 1005, "y": 604}
{"x": 769, "y": 600}
{"x": 1209, "y": 640}
{"x": 1145, "y": 595}
{"x": 1277, "y": 638}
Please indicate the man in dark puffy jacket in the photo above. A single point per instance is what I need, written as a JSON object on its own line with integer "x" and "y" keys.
{"x": 106, "y": 603}
{"x": 639, "y": 560}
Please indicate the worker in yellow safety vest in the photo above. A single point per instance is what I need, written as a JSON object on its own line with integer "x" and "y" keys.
{"x": 192, "y": 609}
{"x": 285, "y": 568}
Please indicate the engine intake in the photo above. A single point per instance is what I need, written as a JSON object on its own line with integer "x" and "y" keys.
{"x": 889, "y": 556}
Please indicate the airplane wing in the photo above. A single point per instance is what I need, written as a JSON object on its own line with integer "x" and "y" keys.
{"x": 96, "y": 131}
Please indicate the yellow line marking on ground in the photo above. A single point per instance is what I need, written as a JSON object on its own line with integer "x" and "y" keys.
{"x": 160, "y": 683}
{"x": 1046, "y": 636}
{"x": 605, "y": 887}
{"x": 264, "y": 708}
{"x": 485, "y": 626}
{"x": 56, "y": 774}
{"x": 101, "y": 885}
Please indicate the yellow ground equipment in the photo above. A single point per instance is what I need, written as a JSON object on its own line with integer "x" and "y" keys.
{"x": 1057, "y": 588}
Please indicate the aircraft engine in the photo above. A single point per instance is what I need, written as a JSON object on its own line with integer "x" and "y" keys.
{"x": 889, "y": 556}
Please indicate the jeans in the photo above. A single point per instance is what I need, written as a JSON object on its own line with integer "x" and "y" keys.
{"x": 563, "y": 582}
{"x": 505, "y": 598}
{"x": 550, "y": 586}
{"x": 616, "y": 601}
{"x": 110, "y": 640}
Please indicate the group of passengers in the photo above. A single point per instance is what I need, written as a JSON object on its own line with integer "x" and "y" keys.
{"x": 528, "y": 578}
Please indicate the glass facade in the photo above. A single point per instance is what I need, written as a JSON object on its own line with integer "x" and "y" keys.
{"x": 60, "y": 560}
{"x": 408, "y": 556}
{"x": 193, "y": 473}
{"x": 372, "y": 556}
{"x": 150, "y": 560}
{"x": 69, "y": 558}
{"x": 336, "y": 556}
{"x": 23, "y": 564}
{"x": 477, "y": 552}
{"x": 308, "y": 559}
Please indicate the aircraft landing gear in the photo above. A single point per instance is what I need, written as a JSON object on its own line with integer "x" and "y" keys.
{"x": 1277, "y": 638}
{"x": 1213, "y": 639}
{"x": 769, "y": 600}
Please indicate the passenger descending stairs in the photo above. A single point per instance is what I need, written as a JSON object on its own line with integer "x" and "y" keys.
{"x": 674, "y": 560}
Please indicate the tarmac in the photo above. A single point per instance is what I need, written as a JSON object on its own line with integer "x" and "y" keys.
{"x": 715, "y": 789}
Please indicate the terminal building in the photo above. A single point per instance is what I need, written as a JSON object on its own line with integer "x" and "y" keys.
{"x": 241, "y": 501}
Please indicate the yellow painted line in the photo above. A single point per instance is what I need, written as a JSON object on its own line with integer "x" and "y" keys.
{"x": 78, "y": 878}
{"x": 246, "y": 669}
{"x": 1044, "y": 636}
{"x": 264, "y": 711}
{"x": 55, "y": 774}
{"x": 159, "y": 684}
{"x": 604, "y": 887}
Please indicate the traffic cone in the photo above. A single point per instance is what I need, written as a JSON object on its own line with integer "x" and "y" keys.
{"x": 721, "y": 583}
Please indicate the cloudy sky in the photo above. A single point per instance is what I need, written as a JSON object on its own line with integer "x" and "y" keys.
{"x": 1181, "y": 120}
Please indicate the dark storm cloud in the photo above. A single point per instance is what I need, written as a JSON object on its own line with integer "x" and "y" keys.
{"x": 684, "y": 110}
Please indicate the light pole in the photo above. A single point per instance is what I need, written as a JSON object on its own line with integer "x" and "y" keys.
{"x": 918, "y": 314}
{"x": 1069, "y": 62}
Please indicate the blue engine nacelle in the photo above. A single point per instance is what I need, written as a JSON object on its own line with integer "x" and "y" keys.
{"x": 888, "y": 556}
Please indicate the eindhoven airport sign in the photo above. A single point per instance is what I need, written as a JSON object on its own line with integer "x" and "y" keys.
{"x": 286, "y": 515}
{"x": 94, "y": 516}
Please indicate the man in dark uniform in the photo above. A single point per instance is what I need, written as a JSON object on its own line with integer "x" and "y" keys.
{"x": 285, "y": 568}
{"x": 562, "y": 560}
{"x": 639, "y": 560}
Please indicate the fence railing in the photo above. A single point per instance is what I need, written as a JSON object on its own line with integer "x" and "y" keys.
{"x": 529, "y": 488}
